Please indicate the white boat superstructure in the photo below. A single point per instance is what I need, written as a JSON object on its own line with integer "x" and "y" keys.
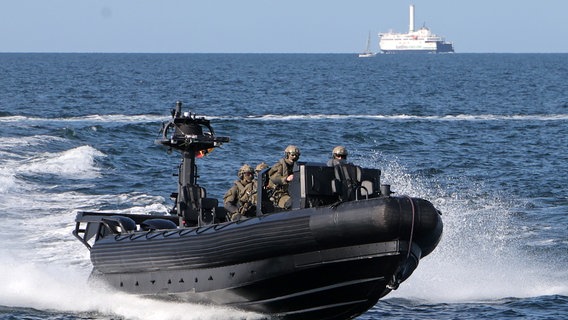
{"x": 415, "y": 41}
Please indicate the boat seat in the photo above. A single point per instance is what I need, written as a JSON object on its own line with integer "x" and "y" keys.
{"x": 209, "y": 203}
{"x": 314, "y": 186}
{"x": 209, "y": 209}
{"x": 366, "y": 188}
{"x": 353, "y": 183}
{"x": 347, "y": 181}
{"x": 321, "y": 185}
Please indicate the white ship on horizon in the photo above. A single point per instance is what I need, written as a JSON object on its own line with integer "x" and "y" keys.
{"x": 415, "y": 41}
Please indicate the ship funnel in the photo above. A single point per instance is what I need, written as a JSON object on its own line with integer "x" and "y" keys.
{"x": 411, "y": 25}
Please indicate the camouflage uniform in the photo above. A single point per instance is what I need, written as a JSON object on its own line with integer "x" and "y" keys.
{"x": 240, "y": 199}
{"x": 279, "y": 176}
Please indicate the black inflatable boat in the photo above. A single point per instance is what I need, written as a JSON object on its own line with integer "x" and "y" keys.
{"x": 346, "y": 242}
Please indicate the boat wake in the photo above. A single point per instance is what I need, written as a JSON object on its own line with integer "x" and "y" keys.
{"x": 43, "y": 267}
{"x": 44, "y": 286}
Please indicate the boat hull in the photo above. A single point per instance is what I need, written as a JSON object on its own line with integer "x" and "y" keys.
{"x": 325, "y": 263}
{"x": 331, "y": 284}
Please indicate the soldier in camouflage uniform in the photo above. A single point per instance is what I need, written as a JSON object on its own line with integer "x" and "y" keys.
{"x": 261, "y": 166}
{"x": 240, "y": 199}
{"x": 338, "y": 156}
{"x": 280, "y": 176}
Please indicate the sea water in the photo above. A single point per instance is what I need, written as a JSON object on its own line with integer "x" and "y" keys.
{"x": 482, "y": 136}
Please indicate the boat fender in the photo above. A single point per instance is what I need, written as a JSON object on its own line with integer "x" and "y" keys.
{"x": 124, "y": 223}
{"x": 157, "y": 224}
{"x": 411, "y": 226}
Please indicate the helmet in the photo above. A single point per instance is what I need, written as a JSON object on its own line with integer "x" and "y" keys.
{"x": 244, "y": 169}
{"x": 339, "y": 151}
{"x": 291, "y": 149}
{"x": 261, "y": 166}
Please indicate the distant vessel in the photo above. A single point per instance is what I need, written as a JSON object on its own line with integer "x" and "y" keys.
{"x": 367, "y": 53}
{"x": 415, "y": 41}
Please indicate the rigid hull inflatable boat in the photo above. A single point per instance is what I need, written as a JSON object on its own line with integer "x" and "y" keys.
{"x": 345, "y": 243}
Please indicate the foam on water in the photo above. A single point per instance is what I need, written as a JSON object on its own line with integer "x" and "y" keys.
{"x": 12, "y": 163}
{"x": 8, "y": 143}
{"x": 77, "y": 163}
{"x": 7, "y": 180}
{"x": 405, "y": 117}
{"x": 44, "y": 267}
{"x": 45, "y": 286}
{"x": 481, "y": 255}
{"x": 107, "y": 118}
{"x": 149, "y": 118}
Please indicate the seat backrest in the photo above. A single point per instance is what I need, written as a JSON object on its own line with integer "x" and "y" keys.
{"x": 209, "y": 210}
{"x": 348, "y": 172}
{"x": 366, "y": 188}
{"x": 347, "y": 181}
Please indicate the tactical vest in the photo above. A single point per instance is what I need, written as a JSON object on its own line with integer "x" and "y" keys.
{"x": 246, "y": 193}
{"x": 287, "y": 169}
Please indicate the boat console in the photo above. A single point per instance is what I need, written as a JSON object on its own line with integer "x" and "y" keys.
{"x": 316, "y": 184}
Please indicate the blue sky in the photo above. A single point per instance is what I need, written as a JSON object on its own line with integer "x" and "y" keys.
{"x": 270, "y": 26}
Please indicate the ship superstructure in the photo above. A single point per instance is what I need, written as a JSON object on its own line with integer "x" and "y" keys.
{"x": 415, "y": 41}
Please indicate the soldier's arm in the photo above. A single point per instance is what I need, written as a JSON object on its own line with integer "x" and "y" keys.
{"x": 230, "y": 200}
{"x": 276, "y": 175}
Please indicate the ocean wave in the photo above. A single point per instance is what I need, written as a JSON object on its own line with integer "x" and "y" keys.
{"x": 404, "y": 117}
{"x": 8, "y": 143}
{"x": 96, "y": 118}
{"x": 77, "y": 163}
{"x": 150, "y": 118}
{"x": 7, "y": 181}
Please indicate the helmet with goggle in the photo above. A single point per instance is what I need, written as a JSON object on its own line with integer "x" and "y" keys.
{"x": 339, "y": 152}
{"x": 292, "y": 150}
{"x": 244, "y": 170}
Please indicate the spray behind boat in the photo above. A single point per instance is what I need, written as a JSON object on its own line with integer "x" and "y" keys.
{"x": 194, "y": 137}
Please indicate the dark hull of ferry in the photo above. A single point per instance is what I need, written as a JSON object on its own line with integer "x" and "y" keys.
{"x": 313, "y": 263}
{"x": 441, "y": 47}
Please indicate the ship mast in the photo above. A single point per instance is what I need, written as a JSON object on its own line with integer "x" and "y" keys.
{"x": 411, "y": 24}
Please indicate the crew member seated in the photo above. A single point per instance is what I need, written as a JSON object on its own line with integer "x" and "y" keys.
{"x": 338, "y": 156}
{"x": 239, "y": 201}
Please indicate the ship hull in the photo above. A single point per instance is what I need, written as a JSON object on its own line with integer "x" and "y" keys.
{"x": 324, "y": 263}
{"x": 440, "y": 47}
